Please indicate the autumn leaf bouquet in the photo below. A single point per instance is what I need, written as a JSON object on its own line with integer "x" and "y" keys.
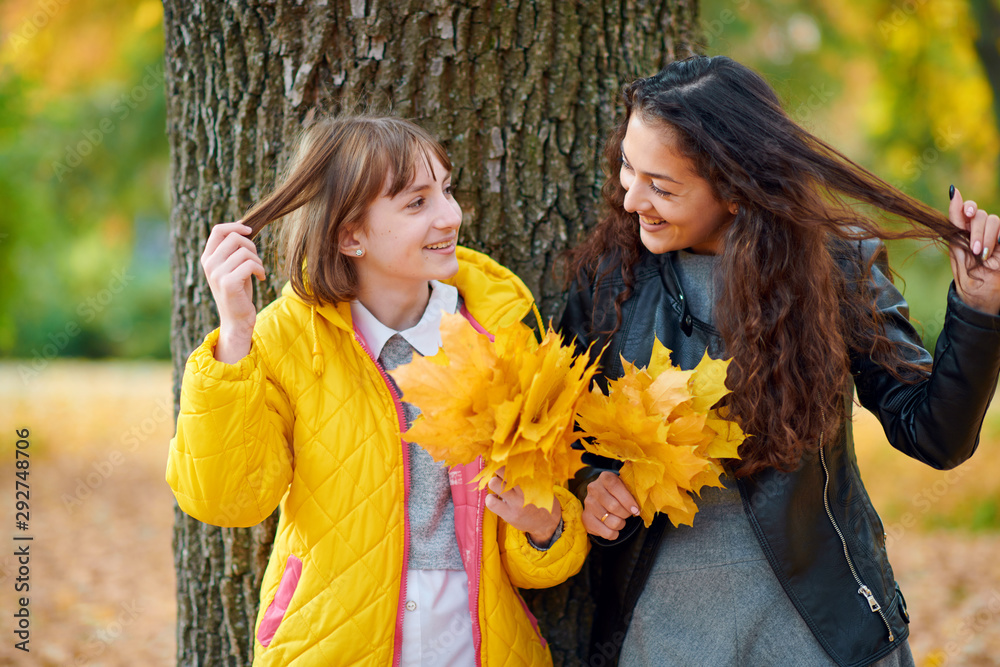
{"x": 659, "y": 421}
{"x": 515, "y": 401}
{"x": 512, "y": 401}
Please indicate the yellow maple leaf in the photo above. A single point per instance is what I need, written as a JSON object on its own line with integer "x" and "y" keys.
{"x": 708, "y": 382}
{"x": 726, "y": 437}
{"x": 659, "y": 360}
{"x": 658, "y": 421}
{"x": 512, "y": 401}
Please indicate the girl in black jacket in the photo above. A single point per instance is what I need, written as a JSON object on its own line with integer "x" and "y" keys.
{"x": 733, "y": 230}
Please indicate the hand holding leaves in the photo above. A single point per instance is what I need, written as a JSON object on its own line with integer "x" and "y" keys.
{"x": 660, "y": 422}
{"x": 512, "y": 401}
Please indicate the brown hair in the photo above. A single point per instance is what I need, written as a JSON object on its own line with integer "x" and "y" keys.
{"x": 341, "y": 167}
{"x": 789, "y": 311}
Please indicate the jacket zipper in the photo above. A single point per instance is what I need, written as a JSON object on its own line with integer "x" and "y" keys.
{"x": 401, "y": 419}
{"x": 863, "y": 590}
{"x": 477, "y": 633}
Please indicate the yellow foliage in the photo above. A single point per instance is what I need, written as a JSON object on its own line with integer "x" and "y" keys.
{"x": 512, "y": 401}
{"x": 86, "y": 46}
{"x": 148, "y": 14}
{"x": 659, "y": 421}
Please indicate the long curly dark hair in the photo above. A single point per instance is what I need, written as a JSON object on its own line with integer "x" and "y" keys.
{"x": 788, "y": 312}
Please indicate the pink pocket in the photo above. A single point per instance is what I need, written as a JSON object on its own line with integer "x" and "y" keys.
{"x": 279, "y": 605}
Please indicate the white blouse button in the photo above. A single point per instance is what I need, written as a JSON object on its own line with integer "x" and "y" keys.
{"x": 411, "y": 605}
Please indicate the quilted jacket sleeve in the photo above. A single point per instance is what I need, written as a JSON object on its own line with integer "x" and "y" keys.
{"x": 529, "y": 567}
{"x": 231, "y": 460}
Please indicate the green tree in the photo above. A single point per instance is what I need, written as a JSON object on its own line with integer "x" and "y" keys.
{"x": 83, "y": 160}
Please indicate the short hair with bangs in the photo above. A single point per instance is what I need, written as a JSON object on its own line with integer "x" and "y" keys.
{"x": 342, "y": 166}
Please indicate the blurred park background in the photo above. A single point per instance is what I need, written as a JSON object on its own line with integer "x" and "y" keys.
{"x": 85, "y": 297}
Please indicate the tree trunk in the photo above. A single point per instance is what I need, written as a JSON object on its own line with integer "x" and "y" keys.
{"x": 522, "y": 94}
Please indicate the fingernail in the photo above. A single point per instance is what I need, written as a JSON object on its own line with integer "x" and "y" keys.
{"x": 969, "y": 211}
{"x": 951, "y": 192}
{"x": 635, "y": 510}
{"x": 986, "y": 254}
{"x": 977, "y": 248}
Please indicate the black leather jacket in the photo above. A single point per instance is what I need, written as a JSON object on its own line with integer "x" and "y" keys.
{"x": 816, "y": 525}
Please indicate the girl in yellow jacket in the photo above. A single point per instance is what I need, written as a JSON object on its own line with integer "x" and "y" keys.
{"x": 381, "y": 557}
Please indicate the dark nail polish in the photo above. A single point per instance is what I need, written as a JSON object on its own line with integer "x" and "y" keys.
{"x": 951, "y": 192}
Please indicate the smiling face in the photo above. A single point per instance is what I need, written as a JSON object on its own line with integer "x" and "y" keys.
{"x": 677, "y": 208}
{"x": 410, "y": 238}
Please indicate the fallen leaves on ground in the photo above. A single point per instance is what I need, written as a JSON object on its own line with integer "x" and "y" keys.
{"x": 92, "y": 564}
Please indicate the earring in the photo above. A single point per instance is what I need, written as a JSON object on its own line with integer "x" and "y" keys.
{"x": 359, "y": 252}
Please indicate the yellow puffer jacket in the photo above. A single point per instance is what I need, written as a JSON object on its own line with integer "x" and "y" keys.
{"x": 308, "y": 419}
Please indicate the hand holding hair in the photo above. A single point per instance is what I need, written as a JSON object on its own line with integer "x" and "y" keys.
{"x": 977, "y": 278}
{"x": 230, "y": 260}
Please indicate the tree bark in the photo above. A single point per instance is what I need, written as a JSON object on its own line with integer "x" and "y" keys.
{"x": 522, "y": 93}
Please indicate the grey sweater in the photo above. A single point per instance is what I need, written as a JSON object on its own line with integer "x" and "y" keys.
{"x": 433, "y": 545}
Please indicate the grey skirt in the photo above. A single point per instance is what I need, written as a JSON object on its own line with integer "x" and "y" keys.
{"x": 713, "y": 599}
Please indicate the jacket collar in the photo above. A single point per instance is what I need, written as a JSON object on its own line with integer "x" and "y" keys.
{"x": 494, "y": 296}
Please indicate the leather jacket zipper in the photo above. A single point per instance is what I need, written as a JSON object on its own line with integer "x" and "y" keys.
{"x": 687, "y": 320}
{"x": 863, "y": 590}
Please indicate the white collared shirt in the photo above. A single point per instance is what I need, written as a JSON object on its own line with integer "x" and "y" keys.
{"x": 424, "y": 336}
